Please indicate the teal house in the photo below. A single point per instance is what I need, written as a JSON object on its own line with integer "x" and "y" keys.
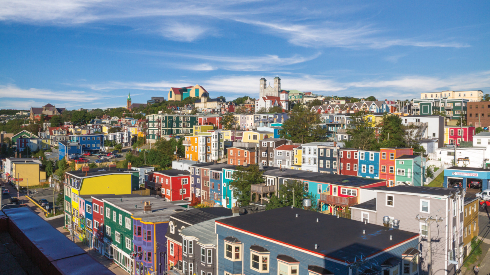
{"x": 409, "y": 170}
{"x": 451, "y": 108}
{"x": 227, "y": 195}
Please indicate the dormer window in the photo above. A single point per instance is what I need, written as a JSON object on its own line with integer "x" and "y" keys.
{"x": 233, "y": 251}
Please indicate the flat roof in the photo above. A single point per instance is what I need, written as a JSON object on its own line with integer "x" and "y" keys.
{"x": 343, "y": 180}
{"x": 368, "y": 205}
{"x": 408, "y": 157}
{"x": 338, "y": 238}
{"x": 197, "y": 215}
{"x": 173, "y": 172}
{"x": 100, "y": 172}
{"x": 468, "y": 169}
{"x": 423, "y": 190}
{"x": 160, "y": 210}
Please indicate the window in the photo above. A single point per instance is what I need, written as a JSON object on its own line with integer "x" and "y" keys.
{"x": 108, "y": 213}
{"x": 264, "y": 154}
{"x": 383, "y": 156}
{"x": 190, "y": 243}
{"x": 390, "y": 200}
{"x": 184, "y": 246}
{"x": 365, "y": 217}
{"x": 203, "y": 255}
{"x": 209, "y": 256}
{"x": 232, "y": 251}
{"x": 371, "y": 156}
{"x": 149, "y": 257}
{"x": 259, "y": 262}
{"x": 355, "y": 155}
{"x": 120, "y": 219}
{"x": 127, "y": 223}
{"x": 287, "y": 268}
{"x": 118, "y": 237}
{"x": 423, "y": 229}
{"x": 392, "y": 169}
{"x": 89, "y": 209}
{"x": 128, "y": 243}
{"x": 348, "y": 166}
{"x": 185, "y": 181}
{"x": 172, "y": 249}
{"x": 89, "y": 223}
{"x": 400, "y": 172}
{"x": 361, "y": 156}
{"x": 392, "y": 156}
{"x": 96, "y": 208}
{"x": 348, "y": 192}
{"x": 107, "y": 230}
{"x": 383, "y": 169}
{"x": 114, "y": 216}
{"x": 363, "y": 168}
{"x": 425, "y": 206}
{"x": 371, "y": 169}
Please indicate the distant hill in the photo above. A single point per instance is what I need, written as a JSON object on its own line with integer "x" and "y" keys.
{"x": 10, "y": 111}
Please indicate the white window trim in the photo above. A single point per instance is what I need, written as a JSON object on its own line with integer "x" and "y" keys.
{"x": 428, "y": 201}
{"x": 260, "y": 254}
{"x": 387, "y": 195}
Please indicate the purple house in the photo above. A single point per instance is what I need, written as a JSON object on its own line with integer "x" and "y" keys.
{"x": 149, "y": 241}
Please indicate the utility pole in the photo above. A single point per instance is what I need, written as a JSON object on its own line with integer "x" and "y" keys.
{"x": 54, "y": 205}
{"x": 428, "y": 221}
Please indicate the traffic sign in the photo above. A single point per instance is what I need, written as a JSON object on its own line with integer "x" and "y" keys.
{"x": 21, "y": 179}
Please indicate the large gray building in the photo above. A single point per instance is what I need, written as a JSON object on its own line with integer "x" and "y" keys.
{"x": 414, "y": 207}
{"x": 426, "y": 127}
{"x": 266, "y": 150}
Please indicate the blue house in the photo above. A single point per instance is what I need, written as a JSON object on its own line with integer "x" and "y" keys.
{"x": 368, "y": 164}
{"x": 328, "y": 159}
{"x": 89, "y": 142}
{"x": 216, "y": 183}
{"x": 296, "y": 241}
{"x": 68, "y": 148}
{"x": 464, "y": 175}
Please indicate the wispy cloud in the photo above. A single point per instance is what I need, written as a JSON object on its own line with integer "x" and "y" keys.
{"x": 332, "y": 34}
{"x": 184, "y": 32}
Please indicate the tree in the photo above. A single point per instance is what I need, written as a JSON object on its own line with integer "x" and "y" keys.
{"x": 486, "y": 97}
{"x": 286, "y": 195}
{"x": 114, "y": 130}
{"x": 221, "y": 97}
{"x": 241, "y": 100}
{"x": 478, "y": 130}
{"x": 314, "y": 102}
{"x": 302, "y": 126}
{"x": 241, "y": 110}
{"x": 370, "y": 98}
{"x": 229, "y": 121}
{"x": 139, "y": 142}
{"x": 92, "y": 165}
{"x": 56, "y": 121}
{"x": 118, "y": 147}
{"x": 362, "y": 133}
{"x": 392, "y": 132}
{"x": 242, "y": 180}
{"x": 275, "y": 109}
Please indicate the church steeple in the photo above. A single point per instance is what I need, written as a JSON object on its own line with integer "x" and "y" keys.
{"x": 129, "y": 102}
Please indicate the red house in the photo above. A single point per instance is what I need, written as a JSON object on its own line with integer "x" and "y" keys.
{"x": 174, "y": 184}
{"x": 98, "y": 224}
{"x": 210, "y": 120}
{"x": 456, "y": 134}
{"x": 349, "y": 162}
{"x": 387, "y": 158}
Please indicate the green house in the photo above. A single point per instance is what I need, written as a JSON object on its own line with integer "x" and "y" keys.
{"x": 451, "y": 108}
{"x": 409, "y": 170}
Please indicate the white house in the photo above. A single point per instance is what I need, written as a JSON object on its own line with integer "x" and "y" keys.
{"x": 474, "y": 157}
{"x": 426, "y": 127}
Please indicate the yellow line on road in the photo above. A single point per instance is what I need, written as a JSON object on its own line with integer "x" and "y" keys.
{"x": 37, "y": 204}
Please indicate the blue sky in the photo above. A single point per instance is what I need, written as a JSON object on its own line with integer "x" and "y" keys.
{"x": 91, "y": 53}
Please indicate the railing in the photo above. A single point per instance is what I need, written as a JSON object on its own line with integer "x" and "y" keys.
{"x": 424, "y": 124}
{"x": 262, "y": 188}
{"x": 186, "y": 143}
{"x": 335, "y": 200}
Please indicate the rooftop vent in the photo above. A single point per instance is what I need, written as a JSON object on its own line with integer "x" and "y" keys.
{"x": 147, "y": 207}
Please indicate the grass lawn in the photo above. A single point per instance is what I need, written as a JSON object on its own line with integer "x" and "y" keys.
{"x": 438, "y": 181}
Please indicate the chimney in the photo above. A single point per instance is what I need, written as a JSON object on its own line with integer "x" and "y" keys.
{"x": 129, "y": 165}
{"x": 235, "y": 210}
{"x": 147, "y": 207}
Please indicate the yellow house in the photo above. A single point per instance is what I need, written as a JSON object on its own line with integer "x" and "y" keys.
{"x": 255, "y": 136}
{"x": 226, "y": 135}
{"x": 202, "y": 128}
{"x": 373, "y": 120}
{"x": 30, "y": 173}
{"x": 179, "y": 94}
{"x": 191, "y": 144}
{"x": 476, "y": 95}
{"x": 105, "y": 129}
{"x": 97, "y": 182}
{"x": 298, "y": 158}
{"x": 471, "y": 226}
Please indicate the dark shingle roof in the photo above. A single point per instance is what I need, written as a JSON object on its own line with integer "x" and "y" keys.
{"x": 194, "y": 216}
{"x": 368, "y": 205}
{"x": 337, "y": 238}
{"x": 173, "y": 172}
{"x": 438, "y": 191}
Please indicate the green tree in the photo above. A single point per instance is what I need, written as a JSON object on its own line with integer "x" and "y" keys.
{"x": 62, "y": 167}
{"x": 362, "y": 134}
{"x": 286, "y": 195}
{"x": 114, "y": 130}
{"x": 79, "y": 117}
{"x": 56, "y": 121}
{"x": 242, "y": 180}
{"x": 241, "y": 100}
{"x": 478, "y": 130}
{"x": 486, "y": 97}
{"x": 370, "y": 98}
{"x": 275, "y": 109}
{"x": 118, "y": 147}
{"x": 92, "y": 165}
{"x": 314, "y": 102}
{"x": 229, "y": 121}
{"x": 139, "y": 142}
{"x": 303, "y": 126}
{"x": 392, "y": 132}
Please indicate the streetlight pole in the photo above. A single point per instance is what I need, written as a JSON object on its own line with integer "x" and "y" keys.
{"x": 428, "y": 221}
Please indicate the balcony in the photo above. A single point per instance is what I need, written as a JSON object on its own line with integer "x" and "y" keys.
{"x": 418, "y": 124}
{"x": 335, "y": 200}
{"x": 262, "y": 188}
{"x": 448, "y": 107}
{"x": 186, "y": 143}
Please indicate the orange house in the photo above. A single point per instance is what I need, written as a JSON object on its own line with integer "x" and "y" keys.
{"x": 191, "y": 148}
{"x": 387, "y": 157}
{"x": 241, "y": 156}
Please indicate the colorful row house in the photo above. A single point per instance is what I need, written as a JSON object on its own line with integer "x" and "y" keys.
{"x": 173, "y": 184}
{"x": 454, "y": 135}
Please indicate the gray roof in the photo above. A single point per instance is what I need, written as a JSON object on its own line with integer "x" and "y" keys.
{"x": 482, "y": 134}
{"x": 368, "y": 205}
{"x": 160, "y": 209}
{"x": 204, "y": 231}
{"x": 423, "y": 190}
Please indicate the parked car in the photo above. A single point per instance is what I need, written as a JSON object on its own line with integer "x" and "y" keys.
{"x": 5, "y": 190}
{"x": 100, "y": 160}
{"x": 47, "y": 154}
{"x": 117, "y": 156}
{"x": 484, "y": 195}
{"x": 81, "y": 160}
{"x": 43, "y": 202}
{"x": 87, "y": 154}
{"x": 13, "y": 200}
{"x": 474, "y": 184}
{"x": 110, "y": 154}
{"x": 115, "y": 151}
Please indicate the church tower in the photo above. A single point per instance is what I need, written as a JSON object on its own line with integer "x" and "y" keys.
{"x": 263, "y": 86}
{"x": 277, "y": 85}
{"x": 129, "y": 101}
